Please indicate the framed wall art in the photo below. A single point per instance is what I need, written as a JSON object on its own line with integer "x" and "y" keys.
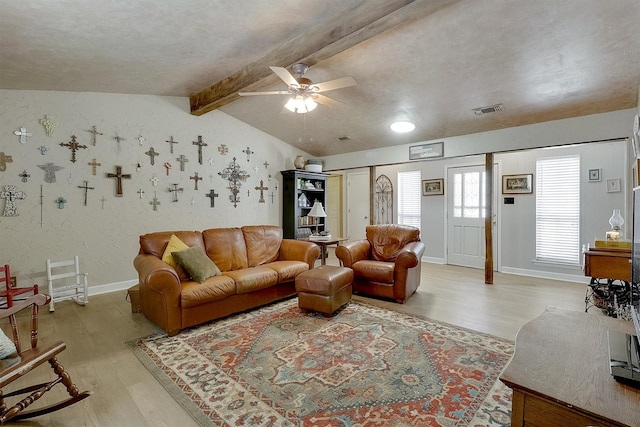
{"x": 426, "y": 151}
{"x": 517, "y": 184}
{"x": 432, "y": 187}
{"x": 594, "y": 175}
{"x": 613, "y": 185}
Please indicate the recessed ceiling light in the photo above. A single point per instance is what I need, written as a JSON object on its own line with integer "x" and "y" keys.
{"x": 402, "y": 127}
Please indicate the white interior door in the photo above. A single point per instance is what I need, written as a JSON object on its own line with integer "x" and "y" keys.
{"x": 357, "y": 204}
{"x": 334, "y": 205}
{"x": 466, "y": 212}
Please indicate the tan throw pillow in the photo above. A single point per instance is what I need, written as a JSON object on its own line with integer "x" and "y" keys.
{"x": 197, "y": 263}
{"x": 175, "y": 245}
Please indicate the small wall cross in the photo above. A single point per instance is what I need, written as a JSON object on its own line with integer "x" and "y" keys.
{"x": 248, "y": 152}
{"x": 175, "y": 190}
{"x": 200, "y": 143}
{"x": 141, "y": 193}
{"x": 61, "y": 202}
{"x": 11, "y": 194}
{"x": 4, "y": 159}
{"x": 154, "y": 180}
{"x": 266, "y": 164}
{"x": 73, "y": 146}
{"x": 119, "y": 176}
{"x": 23, "y": 134}
{"x": 94, "y": 165}
{"x": 182, "y": 159}
{"x": 167, "y": 166}
{"x": 118, "y": 138}
{"x": 50, "y": 172}
{"x": 86, "y": 189}
{"x": 223, "y": 149}
{"x": 24, "y": 175}
{"x": 171, "y": 142}
{"x": 196, "y": 178}
{"x": 154, "y": 202}
{"x": 49, "y": 125}
{"x": 152, "y": 154}
{"x": 261, "y": 188}
{"x": 94, "y": 133}
{"x": 212, "y": 195}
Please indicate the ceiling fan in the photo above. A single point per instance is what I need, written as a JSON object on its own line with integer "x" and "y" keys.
{"x": 304, "y": 93}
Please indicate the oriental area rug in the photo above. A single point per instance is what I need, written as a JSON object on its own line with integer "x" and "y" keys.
{"x": 364, "y": 367}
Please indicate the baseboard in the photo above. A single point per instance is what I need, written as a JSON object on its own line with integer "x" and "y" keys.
{"x": 546, "y": 275}
{"x": 432, "y": 260}
{"x": 111, "y": 287}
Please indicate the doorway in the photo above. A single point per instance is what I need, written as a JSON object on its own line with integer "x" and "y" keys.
{"x": 358, "y": 195}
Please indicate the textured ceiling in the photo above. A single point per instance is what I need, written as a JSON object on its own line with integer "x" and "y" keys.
{"x": 543, "y": 60}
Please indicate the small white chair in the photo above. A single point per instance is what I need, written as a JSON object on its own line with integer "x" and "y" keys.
{"x": 67, "y": 290}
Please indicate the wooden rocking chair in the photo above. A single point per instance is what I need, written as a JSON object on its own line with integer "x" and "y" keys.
{"x": 24, "y": 361}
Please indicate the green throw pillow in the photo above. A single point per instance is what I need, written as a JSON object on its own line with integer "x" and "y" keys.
{"x": 197, "y": 263}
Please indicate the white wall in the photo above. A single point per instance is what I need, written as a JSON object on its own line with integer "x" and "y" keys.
{"x": 106, "y": 239}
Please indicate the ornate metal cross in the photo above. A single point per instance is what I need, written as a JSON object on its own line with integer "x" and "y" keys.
{"x": 154, "y": 202}
{"x": 200, "y": 143}
{"x": 49, "y": 125}
{"x": 86, "y": 189}
{"x": 171, "y": 142}
{"x": 94, "y": 165}
{"x": 182, "y": 159}
{"x": 11, "y": 194}
{"x": 4, "y": 159}
{"x": 235, "y": 176}
{"x": 119, "y": 176}
{"x": 248, "y": 152}
{"x": 23, "y": 134}
{"x": 50, "y": 172}
{"x": 94, "y": 133}
{"x": 152, "y": 154}
{"x": 73, "y": 146}
{"x": 175, "y": 190}
{"x": 196, "y": 178}
{"x": 212, "y": 195}
{"x": 261, "y": 188}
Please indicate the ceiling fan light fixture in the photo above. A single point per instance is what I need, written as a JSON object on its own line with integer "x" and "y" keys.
{"x": 402, "y": 126}
{"x": 300, "y": 104}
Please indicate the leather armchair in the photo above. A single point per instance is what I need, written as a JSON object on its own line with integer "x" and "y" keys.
{"x": 387, "y": 263}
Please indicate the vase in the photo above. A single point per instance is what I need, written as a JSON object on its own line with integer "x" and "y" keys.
{"x": 616, "y": 221}
{"x": 298, "y": 162}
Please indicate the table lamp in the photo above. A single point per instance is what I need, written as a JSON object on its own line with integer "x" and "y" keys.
{"x": 317, "y": 212}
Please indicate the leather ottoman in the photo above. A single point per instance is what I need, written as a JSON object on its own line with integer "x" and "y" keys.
{"x": 324, "y": 289}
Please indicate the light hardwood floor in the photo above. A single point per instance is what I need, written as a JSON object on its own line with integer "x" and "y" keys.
{"x": 126, "y": 394}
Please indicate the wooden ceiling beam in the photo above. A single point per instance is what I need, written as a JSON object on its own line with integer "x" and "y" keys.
{"x": 349, "y": 28}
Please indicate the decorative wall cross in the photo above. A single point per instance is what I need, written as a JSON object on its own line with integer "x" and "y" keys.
{"x": 11, "y": 194}
{"x": 248, "y": 152}
{"x": 261, "y": 189}
{"x": 223, "y": 149}
{"x": 43, "y": 150}
{"x": 272, "y": 195}
{"x": 154, "y": 180}
{"x": 175, "y": 190}
{"x": 141, "y": 193}
{"x": 200, "y": 143}
{"x": 235, "y": 176}
{"x": 196, "y": 178}
{"x": 49, "y": 125}
{"x": 152, "y": 154}
{"x": 50, "y": 172}
{"x": 61, "y": 201}
{"x": 23, "y": 134}
{"x": 141, "y": 139}
{"x": 154, "y": 202}
{"x": 119, "y": 176}
{"x": 4, "y": 159}
{"x": 212, "y": 195}
{"x": 103, "y": 200}
{"x": 118, "y": 138}
{"x": 94, "y": 132}
{"x": 73, "y": 146}
{"x": 24, "y": 176}
{"x": 86, "y": 189}
{"x": 266, "y": 164}
{"x": 171, "y": 142}
{"x": 167, "y": 166}
{"x": 182, "y": 159}
{"x": 94, "y": 165}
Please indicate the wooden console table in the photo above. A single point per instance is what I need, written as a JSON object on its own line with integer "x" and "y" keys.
{"x": 610, "y": 272}
{"x": 560, "y": 377}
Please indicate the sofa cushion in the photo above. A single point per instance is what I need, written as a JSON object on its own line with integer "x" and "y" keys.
{"x": 212, "y": 289}
{"x": 155, "y": 243}
{"x": 288, "y": 270}
{"x": 263, "y": 243}
{"x": 375, "y": 271}
{"x": 387, "y": 240}
{"x": 197, "y": 263}
{"x": 175, "y": 245}
{"x": 226, "y": 248}
{"x": 253, "y": 278}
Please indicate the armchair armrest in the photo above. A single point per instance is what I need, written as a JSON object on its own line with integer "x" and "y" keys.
{"x": 351, "y": 252}
{"x": 299, "y": 250}
{"x": 410, "y": 255}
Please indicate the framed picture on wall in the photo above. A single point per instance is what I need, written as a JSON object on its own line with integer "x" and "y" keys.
{"x": 594, "y": 175}
{"x": 432, "y": 187}
{"x": 517, "y": 184}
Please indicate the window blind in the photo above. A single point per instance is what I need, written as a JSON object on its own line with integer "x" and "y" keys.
{"x": 409, "y": 198}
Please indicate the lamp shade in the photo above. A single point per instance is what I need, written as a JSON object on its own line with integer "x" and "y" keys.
{"x": 300, "y": 104}
{"x": 317, "y": 210}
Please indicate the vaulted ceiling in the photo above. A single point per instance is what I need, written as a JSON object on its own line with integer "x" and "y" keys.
{"x": 428, "y": 61}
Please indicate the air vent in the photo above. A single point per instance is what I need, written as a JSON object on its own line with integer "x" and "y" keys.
{"x": 343, "y": 138}
{"x": 489, "y": 109}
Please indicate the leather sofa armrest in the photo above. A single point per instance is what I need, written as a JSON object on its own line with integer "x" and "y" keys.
{"x": 351, "y": 252}
{"x": 410, "y": 255}
{"x": 299, "y": 250}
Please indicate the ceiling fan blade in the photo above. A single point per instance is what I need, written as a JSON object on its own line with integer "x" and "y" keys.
{"x": 285, "y": 75}
{"x": 273, "y": 92}
{"x": 334, "y": 84}
{"x": 325, "y": 100}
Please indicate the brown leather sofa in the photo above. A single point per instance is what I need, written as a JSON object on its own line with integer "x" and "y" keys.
{"x": 258, "y": 267}
{"x": 387, "y": 264}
